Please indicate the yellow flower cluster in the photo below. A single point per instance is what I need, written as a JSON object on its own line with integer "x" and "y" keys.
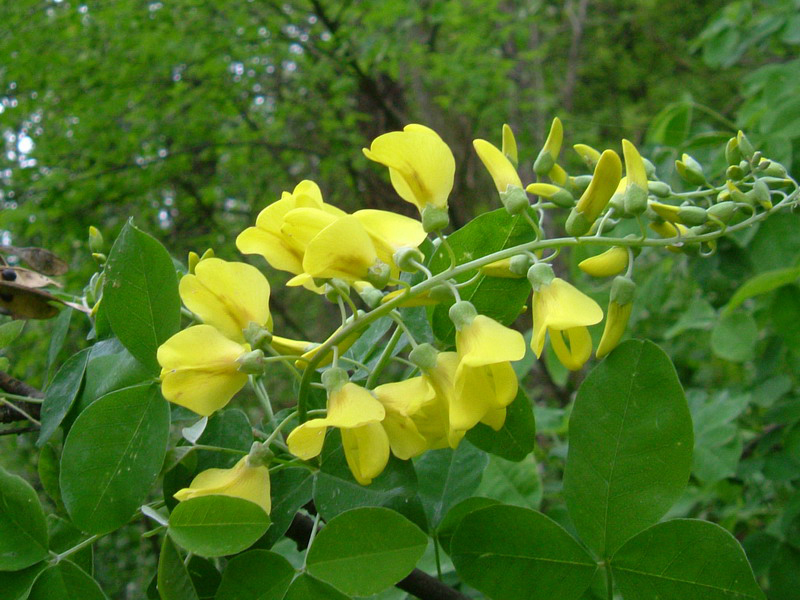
{"x": 456, "y": 391}
{"x": 204, "y": 365}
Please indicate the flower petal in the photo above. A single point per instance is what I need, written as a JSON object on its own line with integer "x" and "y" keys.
{"x": 390, "y": 231}
{"x": 560, "y": 305}
{"x": 227, "y": 295}
{"x": 580, "y": 347}
{"x": 353, "y": 406}
{"x": 499, "y": 166}
{"x": 240, "y": 481}
{"x": 343, "y": 249}
{"x": 485, "y": 341}
{"x": 306, "y": 440}
{"x": 366, "y": 449}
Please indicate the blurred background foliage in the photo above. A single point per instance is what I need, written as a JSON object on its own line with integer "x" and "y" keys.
{"x": 191, "y": 116}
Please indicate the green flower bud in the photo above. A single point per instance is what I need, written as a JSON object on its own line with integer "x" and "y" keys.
{"x": 690, "y": 170}
{"x": 378, "y": 274}
{"x": 256, "y": 335}
{"x": 192, "y": 261}
{"x": 514, "y": 199}
{"x": 405, "y": 257}
{"x": 744, "y": 166}
{"x": 95, "y": 239}
{"x": 424, "y": 356}
{"x": 734, "y": 173}
{"x": 732, "y": 153}
{"x": 580, "y": 183}
{"x": 622, "y": 290}
{"x": 440, "y": 293}
{"x": 760, "y": 193}
{"x": 371, "y": 296}
{"x": 434, "y": 218}
{"x": 577, "y": 224}
{"x": 649, "y": 168}
{"x": 539, "y": 275}
{"x": 692, "y": 215}
{"x": 723, "y": 196}
{"x": 334, "y": 379}
{"x": 520, "y": 264}
{"x": 462, "y": 314}
{"x": 260, "y": 455}
{"x": 635, "y": 200}
{"x": 659, "y": 189}
{"x": 745, "y": 147}
{"x": 252, "y": 362}
{"x": 100, "y": 258}
{"x": 544, "y": 163}
{"x": 775, "y": 169}
{"x": 723, "y": 211}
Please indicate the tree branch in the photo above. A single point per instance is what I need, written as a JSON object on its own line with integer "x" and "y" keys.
{"x": 15, "y": 386}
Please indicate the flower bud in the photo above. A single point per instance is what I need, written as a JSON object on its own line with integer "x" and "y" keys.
{"x": 502, "y": 268}
{"x": 774, "y": 169}
{"x": 462, "y": 314}
{"x": 580, "y": 183}
{"x": 519, "y": 264}
{"x": 692, "y": 215}
{"x": 440, "y": 293}
{"x": 540, "y": 274}
{"x": 722, "y": 211}
{"x": 690, "y": 170}
{"x": 334, "y": 379}
{"x": 732, "y": 153}
{"x": 434, "y": 218}
{"x": 734, "y": 173}
{"x": 510, "y": 145}
{"x": 424, "y": 356}
{"x": 745, "y": 147}
{"x": 604, "y": 183}
{"x": 371, "y": 296}
{"x": 668, "y": 212}
{"x": 100, "y": 258}
{"x": 192, "y": 261}
{"x": 378, "y": 274}
{"x": 252, "y": 362}
{"x": 589, "y": 155}
{"x": 514, "y": 199}
{"x": 649, "y": 168}
{"x": 406, "y": 257}
{"x": 611, "y": 262}
{"x": 96, "y": 243}
{"x": 635, "y": 200}
{"x": 737, "y": 195}
{"x": 549, "y": 154}
{"x": 260, "y": 455}
{"x": 557, "y": 195}
{"x": 257, "y": 335}
{"x": 760, "y": 193}
{"x": 619, "y": 312}
{"x": 659, "y": 189}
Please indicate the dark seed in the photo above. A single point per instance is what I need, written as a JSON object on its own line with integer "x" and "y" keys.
{"x": 9, "y": 275}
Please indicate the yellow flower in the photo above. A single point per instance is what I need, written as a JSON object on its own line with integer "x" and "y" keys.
{"x": 503, "y": 172}
{"x": 390, "y": 232}
{"x": 267, "y": 238}
{"x": 485, "y": 382}
{"x": 421, "y": 166}
{"x": 560, "y": 308}
{"x": 549, "y": 153}
{"x": 240, "y": 481}
{"x": 611, "y": 262}
{"x": 358, "y": 415}
{"x": 620, "y": 304}
{"x": 604, "y": 183}
{"x": 199, "y": 369}
{"x": 404, "y": 402}
{"x": 227, "y": 295}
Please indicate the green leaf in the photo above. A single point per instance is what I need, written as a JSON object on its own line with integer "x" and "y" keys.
{"x": 366, "y": 550}
{"x": 671, "y": 126}
{"x": 685, "y": 560}
{"x": 785, "y": 313}
{"x": 16, "y": 585}
{"x": 61, "y": 394}
{"x": 630, "y": 447}
{"x": 509, "y": 482}
{"x": 734, "y": 337}
{"x": 140, "y": 294}
{"x": 336, "y": 491}
{"x": 255, "y": 575}
{"x": 699, "y": 315}
{"x": 174, "y": 582}
{"x": 516, "y": 438}
{"x": 496, "y": 297}
{"x": 48, "y": 469}
{"x": 291, "y": 488}
{"x": 513, "y": 553}
{"x": 217, "y": 525}
{"x": 65, "y": 581}
{"x": 227, "y": 429}
{"x": 762, "y": 283}
{"x": 784, "y": 573}
{"x": 305, "y": 587}
{"x": 23, "y": 530}
{"x": 446, "y": 477}
{"x": 112, "y": 456}
{"x": 10, "y": 331}
{"x": 60, "y": 329}
{"x": 455, "y": 515}
{"x": 205, "y": 577}
{"x": 717, "y": 441}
